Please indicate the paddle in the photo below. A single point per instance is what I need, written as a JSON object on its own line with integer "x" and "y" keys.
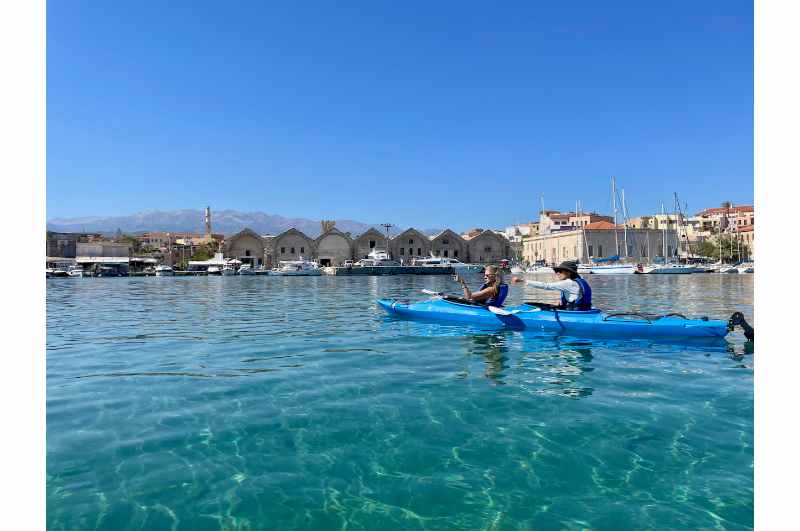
{"x": 505, "y": 313}
{"x": 434, "y": 293}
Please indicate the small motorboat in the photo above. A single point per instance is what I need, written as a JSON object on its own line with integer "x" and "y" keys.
{"x": 247, "y": 269}
{"x": 76, "y": 272}
{"x": 296, "y": 268}
{"x": 164, "y": 270}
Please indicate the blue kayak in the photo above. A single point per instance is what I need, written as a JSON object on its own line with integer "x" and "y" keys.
{"x": 592, "y": 323}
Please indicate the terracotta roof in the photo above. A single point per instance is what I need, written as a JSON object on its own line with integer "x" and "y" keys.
{"x": 601, "y": 225}
{"x": 745, "y": 228}
{"x": 722, "y": 210}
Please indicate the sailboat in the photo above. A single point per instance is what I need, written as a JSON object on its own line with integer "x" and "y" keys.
{"x": 612, "y": 264}
{"x": 671, "y": 268}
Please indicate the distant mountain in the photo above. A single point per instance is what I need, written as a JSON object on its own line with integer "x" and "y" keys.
{"x": 225, "y": 222}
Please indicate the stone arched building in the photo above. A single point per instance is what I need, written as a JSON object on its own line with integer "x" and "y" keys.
{"x": 366, "y": 242}
{"x": 333, "y": 247}
{"x": 246, "y": 246}
{"x": 410, "y": 244}
{"x": 488, "y": 247}
{"x": 291, "y": 244}
{"x": 448, "y": 244}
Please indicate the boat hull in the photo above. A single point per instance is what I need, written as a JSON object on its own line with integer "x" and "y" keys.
{"x": 594, "y": 323}
{"x": 673, "y": 270}
{"x": 625, "y": 269}
{"x": 309, "y": 273}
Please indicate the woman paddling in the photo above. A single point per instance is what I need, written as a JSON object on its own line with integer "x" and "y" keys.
{"x": 493, "y": 292}
{"x": 576, "y": 294}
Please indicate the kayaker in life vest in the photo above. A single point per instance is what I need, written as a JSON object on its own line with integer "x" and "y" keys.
{"x": 576, "y": 294}
{"x": 493, "y": 292}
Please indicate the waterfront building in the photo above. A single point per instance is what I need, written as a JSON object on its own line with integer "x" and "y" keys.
{"x": 408, "y": 245}
{"x": 598, "y": 240}
{"x": 65, "y": 244}
{"x": 103, "y": 254}
{"x": 747, "y": 235}
{"x": 488, "y": 247}
{"x": 292, "y": 244}
{"x": 448, "y": 244}
{"x": 333, "y": 247}
{"x": 247, "y": 247}
{"x": 367, "y": 241}
{"x": 553, "y": 221}
{"x": 726, "y": 217}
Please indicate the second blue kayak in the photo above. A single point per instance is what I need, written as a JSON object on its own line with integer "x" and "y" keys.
{"x": 592, "y": 323}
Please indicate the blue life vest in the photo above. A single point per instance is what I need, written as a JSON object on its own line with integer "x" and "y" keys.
{"x": 499, "y": 299}
{"x": 583, "y": 302}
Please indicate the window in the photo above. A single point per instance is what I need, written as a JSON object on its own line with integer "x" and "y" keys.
{"x": 410, "y": 251}
{"x": 411, "y": 242}
{"x": 445, "y": 253}
{"x": 372, "y": 244}
{"x": 445, "y": 242}
{"x": 455, "y": 253}
{"x": 669, "y": 250}
{"x": 292, "y": 250}
{"x": 283, "y": 250}
{"x": 302, "y": 250}
{"x": 247, "y": 252}
{"x": 600, "y": 250}
{"x": 644, "y": 251}
{"x": 591, "y": 250}
{"x": 630, "y": 250}
{"x": 419, "y": 251}
{"x": 402, "y": 250}
{"x": 487, "y": 249}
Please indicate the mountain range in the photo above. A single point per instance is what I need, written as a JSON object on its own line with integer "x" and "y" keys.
{"x": 226, "y": 222}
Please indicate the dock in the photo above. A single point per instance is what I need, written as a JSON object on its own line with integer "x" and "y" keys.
{"x": 388, "y": 270}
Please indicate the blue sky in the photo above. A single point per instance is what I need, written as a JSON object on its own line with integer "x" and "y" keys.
{"x": 422, "y": 114}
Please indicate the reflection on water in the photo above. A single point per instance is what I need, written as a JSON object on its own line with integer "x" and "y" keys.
{"x": 257, "y": 402}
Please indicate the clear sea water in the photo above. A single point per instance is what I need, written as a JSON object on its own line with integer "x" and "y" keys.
{"x": 295, "y": 403}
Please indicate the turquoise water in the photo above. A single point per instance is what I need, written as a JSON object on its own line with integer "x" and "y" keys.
{"x": 295, "y": 403}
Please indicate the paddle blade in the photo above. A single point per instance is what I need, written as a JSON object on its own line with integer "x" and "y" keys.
{"x": 499, "y": 311}
{"x": 435, "y": 293}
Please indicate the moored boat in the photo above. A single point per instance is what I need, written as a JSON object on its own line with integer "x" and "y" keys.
{"x": 164, "y": 270}
{"x": 377, "y": 258}
{"x": 672, "y": 269}
{"x": 247, "y": 269}
{"x": 458, "y": 266}
{"x": 608, "y": 269}
{"x": 76, "y": 272}
{"x": 295, "y": 268}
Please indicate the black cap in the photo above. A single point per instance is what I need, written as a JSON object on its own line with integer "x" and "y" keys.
{"x": 572, "y": 267}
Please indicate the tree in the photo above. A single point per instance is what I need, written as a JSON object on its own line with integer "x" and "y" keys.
{"x": 731, "y": 249}
{"x": 204, "y": 252}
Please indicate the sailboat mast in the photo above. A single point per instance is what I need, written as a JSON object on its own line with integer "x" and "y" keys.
{"x": 625, "y": 219}
{"x": 614, "y": 207}
{"x": 663, "y": 236}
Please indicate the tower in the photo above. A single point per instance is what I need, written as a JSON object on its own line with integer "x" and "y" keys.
{"x": 207, "y": 220}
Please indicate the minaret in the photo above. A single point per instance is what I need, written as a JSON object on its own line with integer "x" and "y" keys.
{"x": 207, "y": 220}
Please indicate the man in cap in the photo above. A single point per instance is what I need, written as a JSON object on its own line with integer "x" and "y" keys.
{"x": 576, "y": 294}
